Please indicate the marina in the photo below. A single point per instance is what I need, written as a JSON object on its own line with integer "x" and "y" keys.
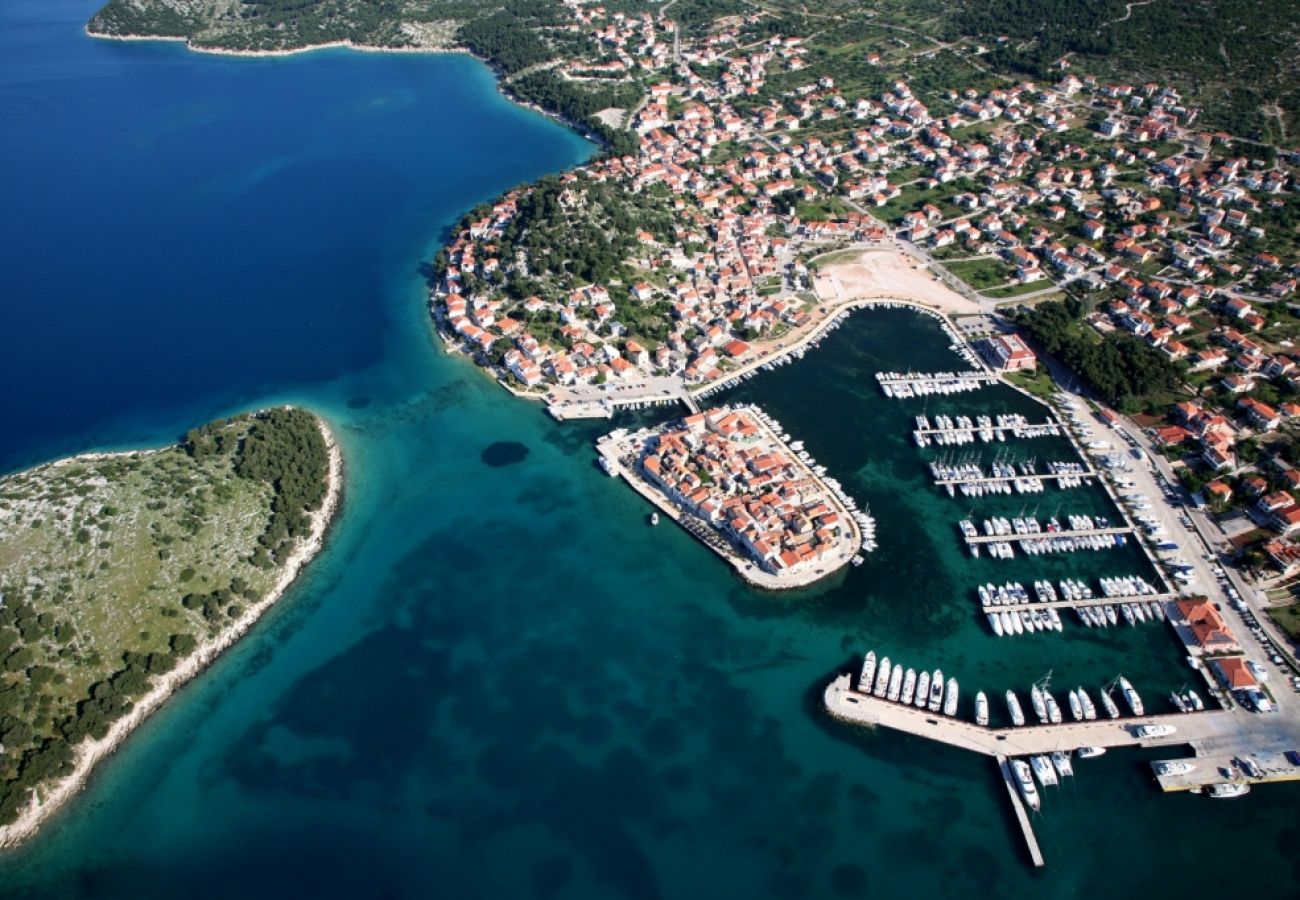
{"x": 905, "y": 385}
{"x": 971, "y": 479}
{"x": 1214, "y": 735}
{"x": 956, "y": 430}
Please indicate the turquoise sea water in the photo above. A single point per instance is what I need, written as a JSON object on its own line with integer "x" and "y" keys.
{"x": 498, "y": 681}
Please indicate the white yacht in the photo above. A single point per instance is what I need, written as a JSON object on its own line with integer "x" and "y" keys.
{"x": 1089, "y": 711}
{"x": 1131, "y": 696}
{"x": 1076, "y": 707}
{"x": 1155, "y": 731}
{"x": 1174, "y": 767}
{"x": 1228, "y": 789}
{"x": 895, "y": 684}
{"x": 1026, "y": 783}
{"x": 936, "y": 691}
{"x": 865, "y": 680}
{"x": 1061, "y": 762}
{"x": 1040, "y": 707}
{"x": 1053, "y": 710}
{"x": 1013, "y": 707}
{"x": 909, "y": 687}
{"x": 882, "y": 678}
{"x": 950, "y": 698}
{"x": 981, "y": 709}
{"x": 923, "y": 689}
{"x": 1108, "y": 703}
{"x": 1090, "y": 752}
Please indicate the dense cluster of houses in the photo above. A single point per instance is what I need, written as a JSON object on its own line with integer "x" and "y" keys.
{"x": 1104, "y": 213}
{"x": 725, "y": 468}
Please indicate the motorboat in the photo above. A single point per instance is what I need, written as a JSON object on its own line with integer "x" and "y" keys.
{"x": 1026, "y": 784}
{"x": 895, "y": 684}
{"x": 1225, "y": 790}
{"x": 865, "y": 680}
{"x": 1155, "y": 731}
{"x": 1174, "y": 767}
{"x": 1061, "y": 762}
{"x": 1131, "y": 696}
{"x": 923, "y": 689}
{"x": 950, "y": 698}
{"x": 981, "y": 709}
{"x": 1013, "y": 707}
{"x": 882, "y": 678}
{"x": 909, "y": 687}
{"x": 1090, "y": 752}
{"x": 936, "y": 691}
{"x": 1040, "y": 706}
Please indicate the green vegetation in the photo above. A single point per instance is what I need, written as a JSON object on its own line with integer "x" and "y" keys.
{"x": 1039, "y": 382}
{"x": 113, "y": 569}
{"x": 1288, "y": 617}
{"x": 982, "y": 273}
{"x": 1235, "y": 56}
{"x": 1121, "y": 368}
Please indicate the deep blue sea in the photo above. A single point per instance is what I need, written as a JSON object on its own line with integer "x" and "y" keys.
{"x": 498, "y": 681}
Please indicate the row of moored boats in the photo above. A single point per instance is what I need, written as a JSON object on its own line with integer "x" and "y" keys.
{"x": 902, "y": 385}
{"x": 924, "y": 690}
{"x": 1038, "y": 538}
{"x": 948, "y": 431}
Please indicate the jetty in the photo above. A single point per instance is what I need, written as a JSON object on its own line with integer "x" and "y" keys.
{"x": 1047, "y": 535}
{"x": 903, "y": 385}
{"x": 1080, "y": 604}
{"x": 844, "y": 702}
{"x": 1018, "y": 806}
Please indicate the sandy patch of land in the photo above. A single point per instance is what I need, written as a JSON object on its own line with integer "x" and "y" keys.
{"x": 889, "y": 274}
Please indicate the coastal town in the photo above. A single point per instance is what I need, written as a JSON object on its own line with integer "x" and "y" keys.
{"x": 755, "y": 499}
{"x": 1034, "y": 301}
{"x": 772, "y": 195}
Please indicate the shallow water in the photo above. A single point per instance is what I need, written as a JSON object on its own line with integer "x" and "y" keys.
{"x": 498, "y": 680}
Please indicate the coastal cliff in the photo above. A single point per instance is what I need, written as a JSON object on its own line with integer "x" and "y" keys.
{"x": 124, "y": 575}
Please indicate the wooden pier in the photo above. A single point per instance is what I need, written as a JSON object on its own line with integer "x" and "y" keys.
{"x": 1080, "y": 604}
{"x": 1040, "y": 535}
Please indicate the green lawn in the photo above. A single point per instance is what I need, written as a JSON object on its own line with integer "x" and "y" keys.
{"x": 1039, "y": 383}
{"x": 1289, "y": 618}
{"x": 1015, "y": 290}
{"x": 982, "y": 273}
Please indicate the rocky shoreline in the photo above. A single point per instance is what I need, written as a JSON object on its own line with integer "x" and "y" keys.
{"x": 89, "y": 753}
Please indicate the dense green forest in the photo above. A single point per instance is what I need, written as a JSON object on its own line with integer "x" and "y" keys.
{"x": 113, "y": 570}
{"x": 1122, "y": 369}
